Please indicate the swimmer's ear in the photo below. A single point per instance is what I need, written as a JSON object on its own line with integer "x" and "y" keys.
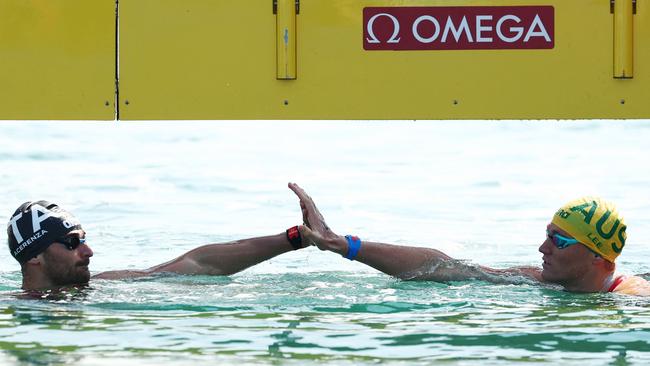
{"x": 600, "y": 261}
{"x": 35, "y": 261}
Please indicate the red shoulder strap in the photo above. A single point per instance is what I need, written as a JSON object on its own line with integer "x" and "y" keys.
{"x": 617, "y": 282}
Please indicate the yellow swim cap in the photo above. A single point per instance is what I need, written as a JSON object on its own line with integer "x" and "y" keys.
{"x": 595, "y": 223}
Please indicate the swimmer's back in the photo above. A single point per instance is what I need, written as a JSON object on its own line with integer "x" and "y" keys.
{"x": 633, "y": 285}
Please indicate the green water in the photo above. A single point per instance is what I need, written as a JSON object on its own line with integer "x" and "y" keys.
{"x": 480, "y": 191}
{"x": 333, "y": 318}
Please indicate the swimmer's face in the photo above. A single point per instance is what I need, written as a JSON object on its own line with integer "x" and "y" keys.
{"x": 65, "y": 266}
{"x": 564, "y": 266}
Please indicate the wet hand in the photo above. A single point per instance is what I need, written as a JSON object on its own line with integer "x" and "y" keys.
{"x": 311, "y": 216}
{"x": 318, "y": 233}
{"x": 331, "y": 241}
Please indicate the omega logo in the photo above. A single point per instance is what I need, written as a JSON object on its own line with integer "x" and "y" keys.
{"x": 404, "y": 28}
{"x": 371, "y": 31}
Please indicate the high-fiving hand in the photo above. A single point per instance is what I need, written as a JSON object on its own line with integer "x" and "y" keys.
{"x": 315, "y": 229}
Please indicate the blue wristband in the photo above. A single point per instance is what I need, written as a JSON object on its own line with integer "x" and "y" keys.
{"x": 354, "y": 244}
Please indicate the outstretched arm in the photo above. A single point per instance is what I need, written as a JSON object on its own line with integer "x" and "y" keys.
{"x": 405, "y": 262}
{"x": 215, "y": 259}
{"x": 400, "y": 261}
{"x": 416, "y": 263}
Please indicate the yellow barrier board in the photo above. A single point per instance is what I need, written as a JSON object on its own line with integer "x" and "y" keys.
{"x": 204, "y": 59}
{"x": 57, "y": 59}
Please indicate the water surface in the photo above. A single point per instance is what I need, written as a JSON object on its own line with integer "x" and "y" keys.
{"x": 481, "y": 191}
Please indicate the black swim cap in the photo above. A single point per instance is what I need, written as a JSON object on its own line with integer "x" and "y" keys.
{"x": 36, "y": 225}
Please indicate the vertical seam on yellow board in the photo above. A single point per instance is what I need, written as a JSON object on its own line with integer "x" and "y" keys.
{"x": 117, "y": 60}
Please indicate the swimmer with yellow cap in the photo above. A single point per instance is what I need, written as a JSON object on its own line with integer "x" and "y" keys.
{"x": 593, "y": 223}
{"x": 590, "y": 267}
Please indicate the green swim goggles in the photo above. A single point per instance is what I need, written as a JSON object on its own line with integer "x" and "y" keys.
{"x": 560, "y": 241}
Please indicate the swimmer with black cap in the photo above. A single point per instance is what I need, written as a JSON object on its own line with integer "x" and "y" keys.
{"x": 32, "y": 230}
{"x": 593, "y": 223}
{"x": 50, "y": 245}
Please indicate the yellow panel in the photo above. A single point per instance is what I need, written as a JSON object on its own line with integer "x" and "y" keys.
{"x": 57, "y": 59}
{"x": 216, "y": 59}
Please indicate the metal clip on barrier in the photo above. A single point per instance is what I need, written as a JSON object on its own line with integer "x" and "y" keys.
{"x": 286, "y": 11}
{"x": 623, "y": 11}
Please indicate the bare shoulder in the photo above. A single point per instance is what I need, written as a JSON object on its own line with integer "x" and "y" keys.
{"x": 120, "y": 275}
{"x": 181, "y": 265}
{"x": 634, "y": 285}
{"x": 533, "y": 272}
